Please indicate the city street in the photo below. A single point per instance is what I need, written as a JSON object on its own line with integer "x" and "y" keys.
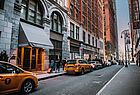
{"x": 88, "y": 84}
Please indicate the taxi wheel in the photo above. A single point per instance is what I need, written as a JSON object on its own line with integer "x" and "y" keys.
{"x": 27, "y": 86}
{"x": 82, "y": 71}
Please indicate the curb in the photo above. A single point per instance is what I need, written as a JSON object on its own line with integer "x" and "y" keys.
{"x": 51, "y": 76}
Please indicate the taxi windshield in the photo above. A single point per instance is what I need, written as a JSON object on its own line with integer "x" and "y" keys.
{"x": 71, "y": 61}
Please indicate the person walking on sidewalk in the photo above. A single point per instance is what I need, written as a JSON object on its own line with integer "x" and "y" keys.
{"x": 58, "y": 66}
{"x": 51, "y": 67}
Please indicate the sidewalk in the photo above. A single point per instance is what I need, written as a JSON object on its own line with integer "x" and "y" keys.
{"x": 125, "y": 82}
{"x": 41, "y": 75}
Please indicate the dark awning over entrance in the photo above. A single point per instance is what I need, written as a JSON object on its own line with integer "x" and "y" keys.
{"x": 34, "y": 36}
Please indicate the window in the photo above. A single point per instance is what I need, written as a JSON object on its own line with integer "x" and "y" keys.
{"x": 8, "y": 69}
{"x": 77, "y": 4}
{"x": 0, "y": 33}
{"x": 93, "y": 41}
{"x": 2, "y": 4}
{"x": 84, "y": 7}
{"x": 88, "y": 38}
{"x": 71, "y": 10}
{"x": 31, "y": 11}
{"x": 56, "y": 22}
{"x": 84, "y": 38}
{"x": 89, "y": 26}
{"x": 71, "y": 30}
{"x": 77, "y": 14}
{"x": 77, "y": 32}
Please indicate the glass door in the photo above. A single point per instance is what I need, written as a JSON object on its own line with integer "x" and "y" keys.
{"x": 33, "y": 63}
{"x": 26, "y": 60}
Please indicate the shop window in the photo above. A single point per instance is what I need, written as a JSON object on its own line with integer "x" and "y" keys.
{"x": 2, "y": 4}
{"x": 31, "y": 11}
{"x": 56, "y": 22}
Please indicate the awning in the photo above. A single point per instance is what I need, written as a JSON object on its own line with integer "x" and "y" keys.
{"x": 34, "y": 36}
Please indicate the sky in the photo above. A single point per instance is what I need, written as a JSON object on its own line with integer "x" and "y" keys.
{"x": 122, "y": 20}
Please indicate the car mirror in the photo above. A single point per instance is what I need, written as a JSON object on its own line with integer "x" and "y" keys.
{"x": 17, "y": 71}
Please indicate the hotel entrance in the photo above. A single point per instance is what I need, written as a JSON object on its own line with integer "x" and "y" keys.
{"x": 31, "y": 58}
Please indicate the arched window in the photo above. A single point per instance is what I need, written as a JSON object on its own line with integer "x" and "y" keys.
{"x": 31, "y": 11}
{"x": 56, "y": 22}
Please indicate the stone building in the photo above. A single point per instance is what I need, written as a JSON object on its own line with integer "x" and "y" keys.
{"x": 33, "y": 32}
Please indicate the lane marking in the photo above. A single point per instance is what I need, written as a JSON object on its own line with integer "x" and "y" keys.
{"x": 109, "y": 82}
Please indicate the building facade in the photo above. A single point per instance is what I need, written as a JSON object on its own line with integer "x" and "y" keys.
{"x": 85, "y": 30}
{"x": 134, "y": 12}
{"x": 110, "y": 30}
{"x": 33, "y": 32}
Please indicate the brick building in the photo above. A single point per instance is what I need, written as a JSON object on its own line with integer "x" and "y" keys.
{"x": 110, "y": 30}
{"x": 85, "y": 28}
{"x": 134, "y": 12}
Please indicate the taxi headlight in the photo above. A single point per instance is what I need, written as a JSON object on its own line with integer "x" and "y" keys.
{"x": 34, "y": 74}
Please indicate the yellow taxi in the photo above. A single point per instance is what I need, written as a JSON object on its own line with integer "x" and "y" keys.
{"x": 15, "y": 79}
{"x": 77, "y": 66}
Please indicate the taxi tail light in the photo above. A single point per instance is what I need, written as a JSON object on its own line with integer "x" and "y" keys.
{"x": 65, "y": 65}
{"x": 93, "y": 66}
{"x": 77, "y": 65}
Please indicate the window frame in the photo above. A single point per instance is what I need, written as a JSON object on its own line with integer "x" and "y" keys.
{"x": 56, "y": 21}
{"x": 77, "y": 32}
{"x": 71, "y": 30}
{"x": 2, "y": 4}
{"x": 88, "y": 38}
{"x": 84, "y": 36}
{"x": 37, "y": 9}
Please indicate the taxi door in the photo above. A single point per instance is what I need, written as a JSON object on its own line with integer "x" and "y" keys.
{"x": 87, "y": 66}
{"x": 9, "y": 80}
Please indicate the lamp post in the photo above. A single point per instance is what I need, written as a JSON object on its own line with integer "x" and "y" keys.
{"x": 127, "y": 41}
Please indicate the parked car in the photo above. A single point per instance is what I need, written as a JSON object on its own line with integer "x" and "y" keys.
{"x": 108, "y": 63}
{"x": 15, "y": 79}
{"x": 77, "y": 66}
{"x": 95, "y": 64}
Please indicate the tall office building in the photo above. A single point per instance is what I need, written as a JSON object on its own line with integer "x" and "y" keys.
{"x": 110, "y": 30}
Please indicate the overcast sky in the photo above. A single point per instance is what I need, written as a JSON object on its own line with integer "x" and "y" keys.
{"x": 122, "y": 20}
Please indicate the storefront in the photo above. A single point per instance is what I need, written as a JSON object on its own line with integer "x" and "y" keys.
{"x": 56, "y": 53}
{"x": 33, "y": 48}
{"x": 89, "y": 52}
{"x": 74, "y": 48}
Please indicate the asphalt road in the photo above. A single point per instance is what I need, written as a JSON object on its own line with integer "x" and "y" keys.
{"x": 87, "y": 84}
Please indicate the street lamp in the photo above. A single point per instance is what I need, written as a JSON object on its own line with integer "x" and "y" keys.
{"x": 127, "y": 41}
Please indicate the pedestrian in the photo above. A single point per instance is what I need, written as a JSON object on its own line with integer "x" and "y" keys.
{"x": 58, "y": 66}
{"x": 51, "y": 66}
